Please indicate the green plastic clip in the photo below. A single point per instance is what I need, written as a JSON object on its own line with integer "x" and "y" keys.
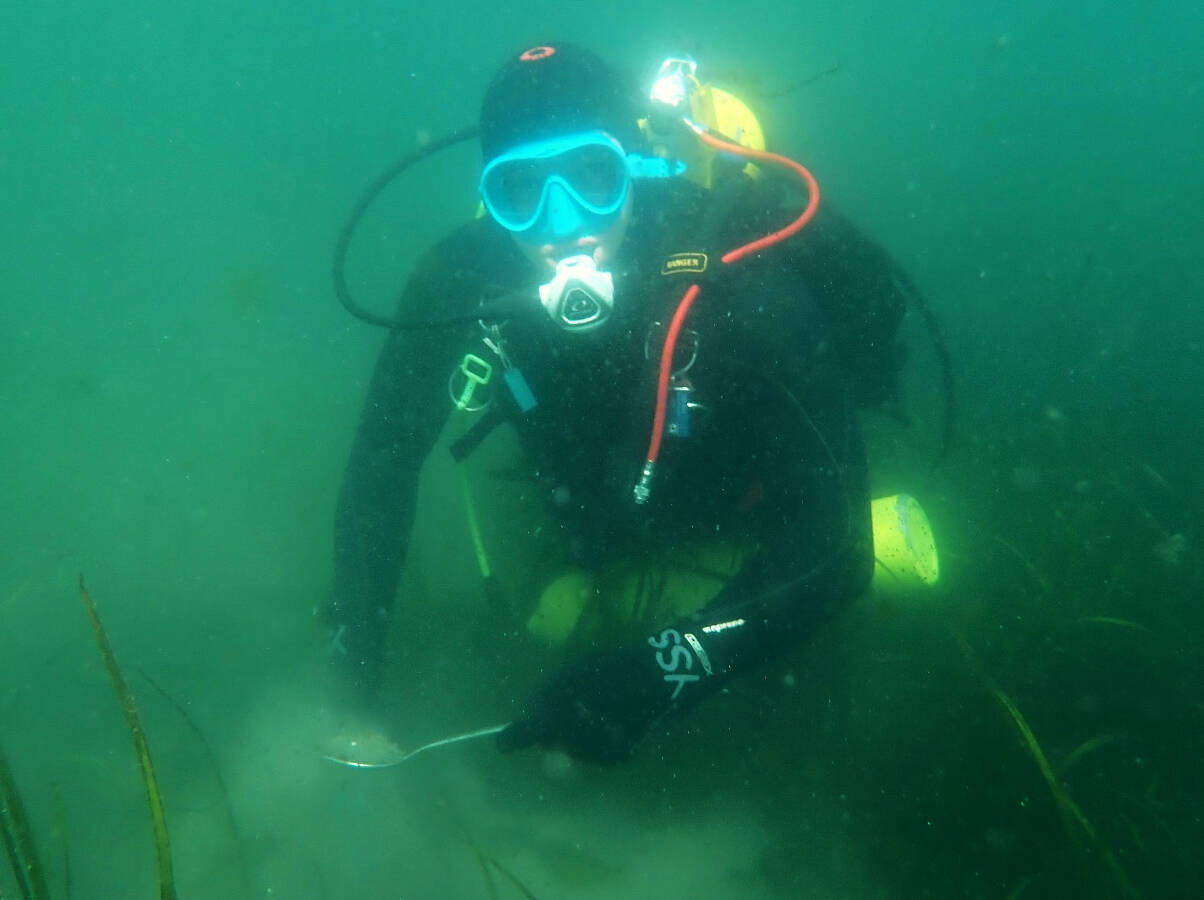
{"x": 477, "y": 372}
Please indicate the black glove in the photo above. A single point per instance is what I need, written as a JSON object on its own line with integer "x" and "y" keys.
{"x": 599, "y": 708}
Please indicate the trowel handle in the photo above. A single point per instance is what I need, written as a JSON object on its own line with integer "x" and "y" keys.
{"x": 455, "y": 739}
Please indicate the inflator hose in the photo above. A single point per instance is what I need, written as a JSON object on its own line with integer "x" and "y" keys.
{"x": 936, "y": 335}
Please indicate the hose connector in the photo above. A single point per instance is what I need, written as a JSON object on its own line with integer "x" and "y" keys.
{"x": 643, "y": 488}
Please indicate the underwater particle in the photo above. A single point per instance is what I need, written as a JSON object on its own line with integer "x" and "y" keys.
{"x": 1169, "y": 551}
{"x": 1025, "y": 478}
{"x": 1053, "y": 414}
{"x": 996, "y": 839}
{"x": 789, "y": 680}
{"x": 1156, "y": 478}
{"x": 1088, "y": 704}
{"x": 557, "y": 764}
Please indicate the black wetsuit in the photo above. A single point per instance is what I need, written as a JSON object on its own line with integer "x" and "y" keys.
{"x": 774, "y": 451}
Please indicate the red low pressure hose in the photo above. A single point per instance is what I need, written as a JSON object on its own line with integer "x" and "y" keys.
{"x": 643, "y": 486}
{"x": 662, "y": 381}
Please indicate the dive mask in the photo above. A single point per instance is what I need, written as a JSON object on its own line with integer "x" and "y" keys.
{"x": 558, "y": 188}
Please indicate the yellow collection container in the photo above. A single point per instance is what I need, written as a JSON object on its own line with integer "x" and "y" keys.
{"x": 905, "y": 557}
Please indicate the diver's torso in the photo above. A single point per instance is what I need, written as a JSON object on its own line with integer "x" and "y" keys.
{"x": 588, "y": 435}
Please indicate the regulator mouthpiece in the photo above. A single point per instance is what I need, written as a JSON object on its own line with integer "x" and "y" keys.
{"x": 579, "y": 297}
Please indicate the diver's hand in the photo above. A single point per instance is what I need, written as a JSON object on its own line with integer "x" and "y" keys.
{"x": 350, "y": 727}
{"x": 599, "y": 708}
{"x": 353, "y": 651}
{"x": 596, "y": 709}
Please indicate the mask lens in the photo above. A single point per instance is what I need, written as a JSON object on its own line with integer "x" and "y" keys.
{"x": 598, "y": 174}
{"x": 514, "y": 189}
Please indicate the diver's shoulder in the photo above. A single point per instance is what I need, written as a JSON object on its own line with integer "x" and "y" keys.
{"x": 731, "y": 211}
{"x": 455, "y": 270}
{"x": 478, "y": 240}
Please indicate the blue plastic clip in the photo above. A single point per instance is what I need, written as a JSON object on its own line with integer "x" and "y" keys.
{"x": 520, "y": 390}
{"x": 678, "y": 413}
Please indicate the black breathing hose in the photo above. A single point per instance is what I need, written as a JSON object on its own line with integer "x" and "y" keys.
{"x": 366, "y": 199}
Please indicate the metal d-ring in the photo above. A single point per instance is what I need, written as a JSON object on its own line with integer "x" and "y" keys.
{"x": 688, "y": 334}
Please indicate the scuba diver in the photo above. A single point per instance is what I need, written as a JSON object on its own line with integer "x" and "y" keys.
{"x": 662, "y": 309}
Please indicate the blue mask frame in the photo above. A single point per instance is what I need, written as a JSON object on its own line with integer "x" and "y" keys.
{"x": 528, "y": 185}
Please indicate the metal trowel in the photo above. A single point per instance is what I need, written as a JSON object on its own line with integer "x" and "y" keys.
{"x": 374, "y": 750}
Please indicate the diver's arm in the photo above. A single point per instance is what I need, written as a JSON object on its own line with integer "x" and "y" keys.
{"x": 405, "y": 409}
{"x": 375, "y": 511}
{"x": 600, "y": 707}
{"x": 816, "y": 558}
{"x": 809, "y": 568}
{"x": 816, "y": 552}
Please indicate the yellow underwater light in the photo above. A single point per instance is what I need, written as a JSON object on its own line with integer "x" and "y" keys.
{"x": 678, "y": 92}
